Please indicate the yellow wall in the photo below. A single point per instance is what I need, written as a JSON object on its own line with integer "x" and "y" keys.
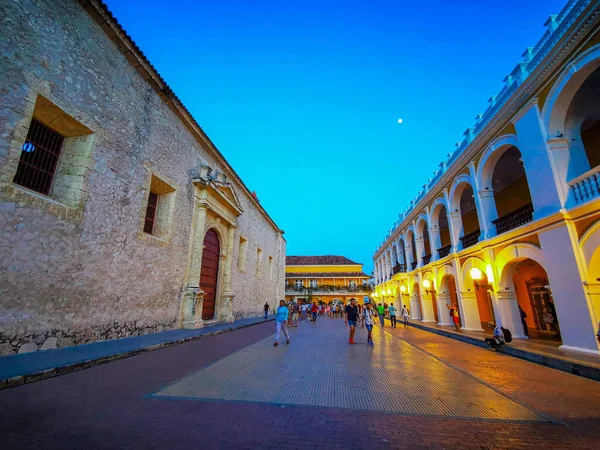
{"x": 324, "y": 269}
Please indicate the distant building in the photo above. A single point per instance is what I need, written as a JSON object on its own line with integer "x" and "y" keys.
{"x": 118, "y": 215}
{"x": 325, "y": 279}
{"x": 509, "y": 223}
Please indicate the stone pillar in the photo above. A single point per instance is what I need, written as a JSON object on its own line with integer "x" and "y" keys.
{"x": 560, "y": 160}
{"x": 427, "y": 305}
{"x": 435, "y": 242}
{"x": 409, "y": 257}
{"x": 488, "y": 206}
{"x": 420, "y": 249}
{"x": 484, "y": 221}
{"x": 189, "y": 307}
{"x": 197, "y": 246}
{"x": 456, "y": 229}
{"x": 508, "y": 315}
{"x": 227, "y": 296}
{"x": 415, "y": 310}
{"x": 536, "y": 161}
{"x": 443, "y": 311}
{"x": 469, "y": 311}
{"x": 573, "y": 307}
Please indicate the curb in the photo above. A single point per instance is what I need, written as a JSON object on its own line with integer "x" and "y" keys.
{"x": 20, "y": 380}
{"x": 564, "y": 365}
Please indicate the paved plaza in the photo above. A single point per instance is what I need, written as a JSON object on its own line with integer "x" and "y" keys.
{"x": 414, "y": 389}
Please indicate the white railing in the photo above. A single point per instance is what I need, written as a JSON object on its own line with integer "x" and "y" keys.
{"x": 586, "y": 186}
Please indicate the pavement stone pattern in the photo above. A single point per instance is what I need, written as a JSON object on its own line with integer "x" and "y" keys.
{"x": 107, "y": 407}
{"x": 319, "y": 368}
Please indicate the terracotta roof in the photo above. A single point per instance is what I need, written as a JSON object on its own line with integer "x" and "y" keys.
{"x": 326, "y": 260}
{"x": 326, "y": 275}
{"x": 99, "y": 11}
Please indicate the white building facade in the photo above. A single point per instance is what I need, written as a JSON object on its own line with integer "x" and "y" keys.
{"x": 508, "y": 227}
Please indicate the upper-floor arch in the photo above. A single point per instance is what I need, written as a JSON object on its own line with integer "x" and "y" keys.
{"x": 464, "y": 214}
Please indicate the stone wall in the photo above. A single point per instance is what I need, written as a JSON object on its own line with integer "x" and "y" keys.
{"x": 83, "y": 270}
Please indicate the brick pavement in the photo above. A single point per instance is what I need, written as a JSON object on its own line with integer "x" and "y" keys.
{"x": 107, "y": 406}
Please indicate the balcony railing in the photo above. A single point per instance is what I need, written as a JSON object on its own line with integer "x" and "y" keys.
{"x": 426, "y": 259}
{"x": 413, "y": 265}
{"x": 515, "y": 219}
{"x": 586, "y": 186}
{"x": 329, "y": 288}
{"x": 444, "y": 251}
{"x": 470, "y": 239}
{"x": 399, "y": 268}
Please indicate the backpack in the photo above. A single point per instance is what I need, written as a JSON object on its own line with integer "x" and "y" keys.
{"x": 507, "y": 334}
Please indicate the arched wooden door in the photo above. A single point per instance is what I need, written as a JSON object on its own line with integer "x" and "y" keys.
{"x": 209, "y": 273}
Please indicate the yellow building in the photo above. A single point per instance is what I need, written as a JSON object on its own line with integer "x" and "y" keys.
{"x": 324, "y": 279}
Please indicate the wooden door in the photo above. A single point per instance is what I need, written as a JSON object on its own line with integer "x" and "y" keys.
{"x": 209, "y": 273}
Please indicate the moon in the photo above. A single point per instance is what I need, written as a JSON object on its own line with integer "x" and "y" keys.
{"x": 399, "y": 120}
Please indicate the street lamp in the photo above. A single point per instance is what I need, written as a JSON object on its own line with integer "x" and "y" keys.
{"x": 477, "y": 275}
{"x": 403, "y": 291}
{"x": 428, "y": 288}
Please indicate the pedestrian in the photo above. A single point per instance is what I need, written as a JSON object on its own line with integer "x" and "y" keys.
{"x": 523, "y": 321}
{"x": 497, "y": 339}
{"x": 314, "y": 311}
{"x": 295, "y": 314}
{"x": 266, "y": 310}
{"x": 351, "y": 318}
{"x": 405, "y": 313}
{"x": 454, "y": 314}
{"x": 392, "y": 311}
{"x": 381, "y": 311}
{"x": 281, "y": 317}
{"x": 368, "y": 320}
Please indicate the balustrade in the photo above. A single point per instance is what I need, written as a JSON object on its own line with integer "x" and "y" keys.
{"x": 444, "y": 251}
{"x": 399, "y": 268}
{"x": 470, "y": 239}
{"x": 514, "y": 219}
{"x": 426, "y": 259}
{"x": 413, "y": 265}
{"x": 586, "y": 186}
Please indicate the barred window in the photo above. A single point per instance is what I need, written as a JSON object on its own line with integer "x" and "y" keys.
{"x": 151, "y": 212}
{"x": 39, "y": 158}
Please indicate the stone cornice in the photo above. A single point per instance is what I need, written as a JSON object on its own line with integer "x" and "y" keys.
{"x": 579, "y": 22}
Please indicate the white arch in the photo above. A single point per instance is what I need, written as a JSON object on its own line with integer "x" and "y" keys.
{"x": 457, "y": 189}
{"x": 443, "y": 272}
{"x": 466, "y": 268}
{"x": 589, "y": 243}
{"x": 422, "y": 218}
{"x": 510, "y": 256}
{"x": 570, "y": 80}
{"x": 434, "y": 211}
{"x": 490, "y": 157}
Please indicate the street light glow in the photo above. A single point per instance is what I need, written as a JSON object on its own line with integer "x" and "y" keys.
{"x": 399, "y": 120}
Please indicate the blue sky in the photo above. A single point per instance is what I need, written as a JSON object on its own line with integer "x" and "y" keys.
{"x": 303, "y": 97}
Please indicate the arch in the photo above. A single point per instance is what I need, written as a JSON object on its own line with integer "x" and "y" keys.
{"x": 444, "y": 271}
{"x": 491, "y": 156}
{"x": 420, "y": 222}
{"x": 435, "y": 209}
{"x": 589, "y": 243}
{"x": 554, "y": 111}
{"x": 458, "y": 187}
{"x": 465, "y": 269}
{"x": 512, "y": 255}
{"x": 394, "y": 255}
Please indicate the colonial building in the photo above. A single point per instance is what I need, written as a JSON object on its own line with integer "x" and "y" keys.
{"x": 324, "y": 279}
{"x": 511, "y": 219}
{"x": 118, "y": 215}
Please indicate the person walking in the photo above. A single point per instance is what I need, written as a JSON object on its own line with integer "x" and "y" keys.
{"x": 314, "y": 311}
{"x": 266, "y": 310}
{"x": 392, "y": 311}
{"x": 405, "y": 313}
{"x": 368, "y": 319}
{"x": 523, "y": 321}
{"x": 281, "y": 317}
{"x": 351, "y": 319}
{"x": 381, "y": 311}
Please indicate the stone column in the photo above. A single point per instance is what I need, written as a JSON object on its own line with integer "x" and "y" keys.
{"x": 469, "y": 311}
{"x": 488, "y": 205}
{"x": 435, "y": 242}
{"x": 409, "y": 257}
{"x": 189, "y": 307}
{"x": 508, "y": 315}
{"x": 427, "y": 305}
{"x": 482, "y": 218}
{"x": 456, "y": 229}
{"x": 560, "y": 160}
{"x": 227, "y": 296}
{"x": 197, "y": 246}
{"x": 420, "y": 249}
{"x": 415, "y": 311}
{"x": 536, "y": 161}
{"x": 443, "y": 312}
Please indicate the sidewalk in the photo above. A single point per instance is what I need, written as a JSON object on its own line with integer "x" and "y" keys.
{"x": 537, "y": 351}
{"x": 16, "y": 370}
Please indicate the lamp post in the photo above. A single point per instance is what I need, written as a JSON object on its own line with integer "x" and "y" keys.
{"x": 477, "y": 276}
{"x": 428, "y": 288}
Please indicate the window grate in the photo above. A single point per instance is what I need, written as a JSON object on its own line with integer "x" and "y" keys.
{"x": 150, "y": 212}
{"x": 39, "y": 158}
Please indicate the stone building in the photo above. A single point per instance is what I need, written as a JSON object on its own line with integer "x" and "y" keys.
{"x": 327, "y": 279}
{"x": 118, "y": 215}
{"x": 509, "y": 223}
